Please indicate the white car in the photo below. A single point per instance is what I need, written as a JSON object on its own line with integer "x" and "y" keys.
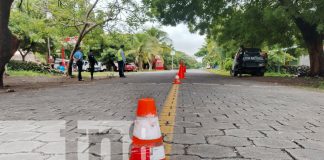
{"x": 85, "y": 66}
{"x": 97, "y": 68}
{"x": 102, "y": 67}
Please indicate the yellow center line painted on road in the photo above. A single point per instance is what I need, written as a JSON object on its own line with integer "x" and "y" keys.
{"x": 167, "y": 118}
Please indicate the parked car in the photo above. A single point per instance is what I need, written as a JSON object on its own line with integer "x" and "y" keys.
{"x": 101, "y": 67}
{"x": 249, "y": 61}
{"x": 129, "y": 67}
{"x": 97, "y": 68}
{"x": 85, "y": 66}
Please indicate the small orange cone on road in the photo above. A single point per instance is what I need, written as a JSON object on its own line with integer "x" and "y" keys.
{"x": 177, "y": 80}
{"x": 147, "y": 138}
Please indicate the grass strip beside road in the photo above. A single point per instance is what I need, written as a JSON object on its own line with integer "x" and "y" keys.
{"x": 96, "y": 74}
{"x": 267, "y": 74}
{"x": 276, "y": 74}
{"x": 84, "y": 74}
{"x": 167, "y": 119}
{"x": 220, "y": 72}
{"x": 28, "y": 74}
{"x": 280, "y": 78}
{"x": 38, "y": 74}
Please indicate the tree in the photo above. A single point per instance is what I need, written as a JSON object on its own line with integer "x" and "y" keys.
{"x": 189, "y": 61}
{"x": 142, "y": 49}
{"x": 30, "y": 31}
{"x": 84, "y": 17}
{"x": 309, "y": 18}
{"x": 8, "y": 42}
{"x": 254, "y": 23}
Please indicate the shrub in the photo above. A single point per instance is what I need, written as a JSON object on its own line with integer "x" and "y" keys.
{"x": 321, "y": 85}
{"x": 301, "y": 71}
{"x": 24, "y": 66}
{"x": 30, "y": 66}
{"x": 228, "y": 64}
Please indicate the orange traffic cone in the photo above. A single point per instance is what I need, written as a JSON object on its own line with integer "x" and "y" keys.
{"x": 181, "y": 73}
{"x": 177, "y": 80}
{"x": 147, "y": 138}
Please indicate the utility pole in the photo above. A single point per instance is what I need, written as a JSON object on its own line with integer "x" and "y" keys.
{"x": 48, "y": 16}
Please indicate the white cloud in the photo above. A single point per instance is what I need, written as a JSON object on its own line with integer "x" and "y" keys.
{"x": 183, "y": 40}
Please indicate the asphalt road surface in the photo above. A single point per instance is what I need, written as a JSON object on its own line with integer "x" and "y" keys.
{"x": 216, "y": 118}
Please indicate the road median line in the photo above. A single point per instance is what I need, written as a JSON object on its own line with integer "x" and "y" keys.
{"x": 167, "y": 118}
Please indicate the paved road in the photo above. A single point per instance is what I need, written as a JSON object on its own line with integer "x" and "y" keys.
{"x": 217, "y": 118}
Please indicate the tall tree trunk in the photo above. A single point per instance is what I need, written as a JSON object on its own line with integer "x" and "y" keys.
{"x": 150, "y": 65}
{"x": 86, "y": 29}
{"x": 76, "y": 46}
{"x": 8, "y": 43}
{"x": 316, "y": 58}
{"x": 140, "y": 62}
{"x": 23, "y": 55}
{"x": 314, "y": 42}
{"x": 321, "y": 53}
{"x": 48, "y": 50}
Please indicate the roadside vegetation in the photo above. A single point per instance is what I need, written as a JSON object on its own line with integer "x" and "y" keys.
{"x": 284, "y": 29}
{"x": 267, "y": 74}
{"x": 47, "y": 28}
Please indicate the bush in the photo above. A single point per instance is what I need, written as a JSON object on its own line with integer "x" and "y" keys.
{"x": 228, "y": 64}
{"x": 30, "y": 66}
{"x": 301, "y": 71}
{"x": 24, "y": 66}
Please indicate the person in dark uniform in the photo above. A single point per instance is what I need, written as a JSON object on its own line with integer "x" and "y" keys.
{"x": 92, "y": 62}
{"x": 240, "y": 59}
{"x": 111, "y": 64}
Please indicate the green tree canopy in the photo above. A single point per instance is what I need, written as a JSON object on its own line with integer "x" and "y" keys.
{"x": 252, "y": 22}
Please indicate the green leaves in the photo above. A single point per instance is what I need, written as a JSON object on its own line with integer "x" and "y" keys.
{"x": 31, "y": 31}
{"x": 24, "y": 25}
{"x": 253, "y": 23}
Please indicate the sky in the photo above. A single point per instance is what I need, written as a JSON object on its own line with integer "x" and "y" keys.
{"x": 183, "y": 40}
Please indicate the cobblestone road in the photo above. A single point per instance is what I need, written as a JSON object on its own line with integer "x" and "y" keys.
{"x": 217, "y": 118}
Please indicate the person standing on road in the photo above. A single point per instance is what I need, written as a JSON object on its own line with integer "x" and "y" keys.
{"x": 121, "y": 61}
{"x": 111, "y": 64}
{"x": 78, "y": 58}
{"x": 92, "y": 62}
{"x": 240, "y": 59}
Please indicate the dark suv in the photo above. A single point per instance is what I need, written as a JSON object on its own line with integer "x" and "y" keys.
{"x": 249, "y": 61}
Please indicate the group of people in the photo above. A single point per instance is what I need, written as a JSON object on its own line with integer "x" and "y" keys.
{"x": 78, "y": 58}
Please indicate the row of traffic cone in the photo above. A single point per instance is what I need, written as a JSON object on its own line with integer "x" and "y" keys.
{"x": 147, "y": 140}
{"x": 181, "y": 74}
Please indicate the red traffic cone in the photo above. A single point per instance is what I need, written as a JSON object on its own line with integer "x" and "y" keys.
{"x": 177, "y": 80}
{"x": 181, "y": 73}
{"x": 147, "y": 138}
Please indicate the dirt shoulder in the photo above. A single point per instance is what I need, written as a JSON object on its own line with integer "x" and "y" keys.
{"x": 37, "y": 82}
{"x": 307, "y": 82}
{"x": 281, "y": 79}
